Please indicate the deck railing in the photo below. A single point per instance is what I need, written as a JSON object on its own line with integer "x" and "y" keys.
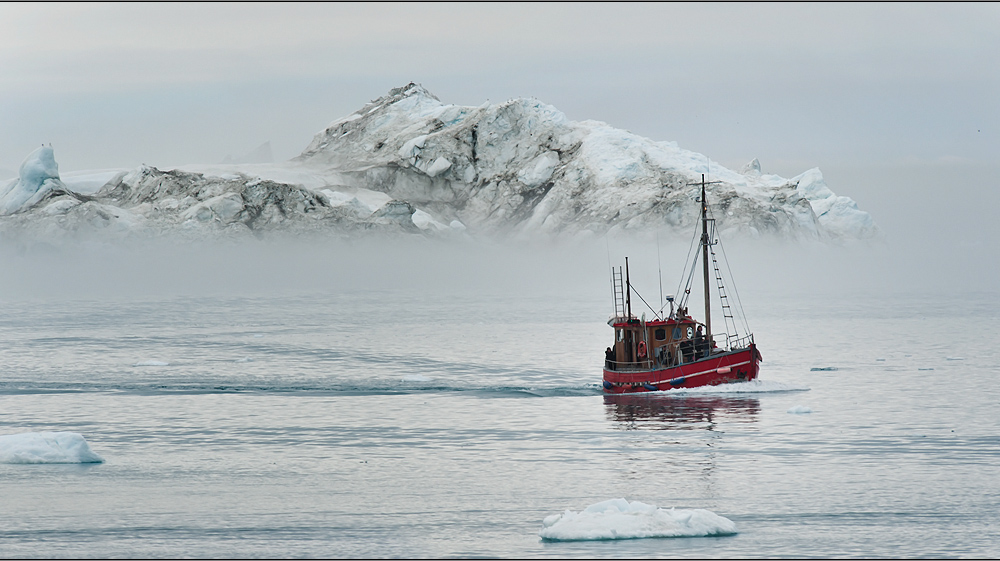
{"x": 731, "y": 343}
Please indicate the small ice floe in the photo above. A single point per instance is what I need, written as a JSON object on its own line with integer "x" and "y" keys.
{"x": 800, "y": 410}
{"x": 152, "y": 363}
{"x": 954, "y": 358}
{"x": 416, "y": 378}
{"x": 46, "y": 448}
{"x": 244, "y": 359}
{"x": 619, "y": 519}
{"x": 925, "y": 369}
{"x": 258, "y": 335}
{"x": 879, "y": 360}
{"x": 823, "y": 369}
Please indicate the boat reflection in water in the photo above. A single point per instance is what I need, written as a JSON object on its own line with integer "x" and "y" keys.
{"x": 673, "y": 412}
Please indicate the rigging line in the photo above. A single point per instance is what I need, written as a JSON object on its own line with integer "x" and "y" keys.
{"x": 607, "y": 244}
{"x": 687, "y": 285}
{"x": 682, "y": 301}
{"x": 732, "y": 280}
{"x": 644, "y": 301}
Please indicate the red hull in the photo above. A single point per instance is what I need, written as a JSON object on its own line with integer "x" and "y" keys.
{"x": 736, "y": 366}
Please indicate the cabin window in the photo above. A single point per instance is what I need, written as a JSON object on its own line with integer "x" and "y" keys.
{"x": 660, "y": 334}
{"x": 621, "y": 335}
{"x": 677, "y": 333}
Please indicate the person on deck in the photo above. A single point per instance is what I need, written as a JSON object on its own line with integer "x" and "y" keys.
{"x": 609, "y": 358}
{"x": 700, "y": 344}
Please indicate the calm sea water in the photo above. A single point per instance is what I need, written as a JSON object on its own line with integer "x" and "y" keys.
{"x": 402, "y": 424}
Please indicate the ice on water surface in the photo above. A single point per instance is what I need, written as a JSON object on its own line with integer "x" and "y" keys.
{"x": 152, "y": 363}
{"x": 619, "y": 519}
{"x": 46, "y": 448}
{"x": 799, "y": 410}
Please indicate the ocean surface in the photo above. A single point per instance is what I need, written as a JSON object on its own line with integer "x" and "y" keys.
{"x": 395, "y": 423}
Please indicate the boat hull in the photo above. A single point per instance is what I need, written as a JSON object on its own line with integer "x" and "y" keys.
{"x": 741, "y": 365}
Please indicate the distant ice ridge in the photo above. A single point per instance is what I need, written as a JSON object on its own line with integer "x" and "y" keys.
{"x": 408, "y": 163}
{"x": 46, "y": 448}
{"x": 619, "y": 519}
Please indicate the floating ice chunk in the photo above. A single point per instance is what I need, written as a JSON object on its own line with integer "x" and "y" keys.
{"x": 244, "y": 359}
{"x": 152, "y": 363}
{"x": 954, "y": 358}
{"x": 46, "y": 448}
{"x": 440, "y": 165}
{"x": 823, "y": 369}
{"x": 619, "y": 519}
{"x": 800, "y": 410}
{"x": 416, "y": 378}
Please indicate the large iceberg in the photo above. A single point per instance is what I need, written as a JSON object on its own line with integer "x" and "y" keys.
{"x": 408, "y": 163}
{"x": 619, "y": 519}
{"x": 46, "y": 448}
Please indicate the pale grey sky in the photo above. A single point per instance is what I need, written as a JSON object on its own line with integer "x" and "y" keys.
{"x": 889, "y": 100}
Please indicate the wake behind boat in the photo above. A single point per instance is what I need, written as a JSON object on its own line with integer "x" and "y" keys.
{"x": 676, "y": 351}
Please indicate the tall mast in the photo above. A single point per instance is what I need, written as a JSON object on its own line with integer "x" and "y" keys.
{"x": 704, "y": 257}
{"x": 628, "y": 297}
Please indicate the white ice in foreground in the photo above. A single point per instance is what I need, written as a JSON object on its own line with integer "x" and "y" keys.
{"x": 619, "y": 519}
{"x": 46, "y": 448}
{"x": 799, "y": 410}
{"x": 416, "y": 378}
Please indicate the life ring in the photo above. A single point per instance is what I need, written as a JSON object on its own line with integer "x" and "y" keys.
{"x": 642, "y": 349}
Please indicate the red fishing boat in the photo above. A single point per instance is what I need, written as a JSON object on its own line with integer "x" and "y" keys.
{"x": 674, "y": 350}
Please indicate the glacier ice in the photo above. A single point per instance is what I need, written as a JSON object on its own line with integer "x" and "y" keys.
{"x": 409, "y": 163}
{"x": 46, "y": 448}
{"x": 38, "y": 177}
{"x": 619, "y": 519}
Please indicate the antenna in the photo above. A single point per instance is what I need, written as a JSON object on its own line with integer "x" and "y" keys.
{"x": 659, "y": 270}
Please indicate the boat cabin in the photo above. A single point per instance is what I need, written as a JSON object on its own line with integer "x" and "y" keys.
{"x": 642, "y": 345}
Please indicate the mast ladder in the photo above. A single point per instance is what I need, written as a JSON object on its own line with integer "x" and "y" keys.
{"x": 727, "y": 311}
{"x": 618, "y": 287}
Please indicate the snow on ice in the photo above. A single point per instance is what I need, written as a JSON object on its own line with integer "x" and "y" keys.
{"x": 46, "y": 448}
{"x": 619, "y": 519}
{"x": 408, "y": 163}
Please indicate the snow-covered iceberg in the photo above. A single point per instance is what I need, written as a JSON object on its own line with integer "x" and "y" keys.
{"x": 46, "y": 448}
{"x": 409, "y": 163}
{"x": 522, "y": 167}
{"x": 619, "y": 519}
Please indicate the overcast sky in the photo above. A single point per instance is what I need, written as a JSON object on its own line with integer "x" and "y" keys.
{"x": 861, "y": 91}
